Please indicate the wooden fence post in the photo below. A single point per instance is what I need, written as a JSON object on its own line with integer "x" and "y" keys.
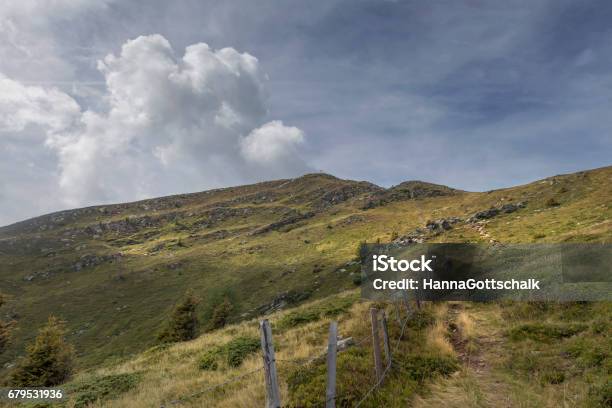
{"x": 406, "y": 303}
{"x": 332, "y": 349}
{"x": 386, "y": 339}
{"x": 397, "y": 312}
{"x": 376, "y": 344}
{"x": 272, "y": 390}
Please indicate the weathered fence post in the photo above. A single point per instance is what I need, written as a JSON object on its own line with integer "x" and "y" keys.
{"x": 405, "y": 299}
{"x": 376, "y": 343}
{"x": 272, "y": 390}
{"x": 386, "y": 339}
{"x": 397, "y": 312}
{"x": 332, "y": 349}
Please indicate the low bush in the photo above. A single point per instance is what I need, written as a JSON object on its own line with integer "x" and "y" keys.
{"x": 421, "y": 367}
{"x": 330, "y": 308}
{"x": 232, "y": 353}
{"x": 298, "y": 318}
{"x": 551, "y": 202}
{"x": 208, "y": 360}
{"x": 420, "y": 319}
{"x": 101, "y": 388}
{"x": 240, "y": 348}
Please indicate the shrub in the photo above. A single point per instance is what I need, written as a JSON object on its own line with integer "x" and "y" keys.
{"x": 337, "y": 307}
{"x": 233, "y": 353}
{"x": 220, "y": 314}
{"x": 420, "y": 319}
{"x": 421, "y": 367}
{"x": 183, "y": 323}
{"x": 239, "y": 348}
{"x": 551, "y": 202}
{"x": 101, "y": 388}
{"x": 298, "y": 318}
{"x": 545, "y": 332}
{"x": 362, "y": 250}
{"x": 208, "y": 360}
{"x": 48, "y": 360}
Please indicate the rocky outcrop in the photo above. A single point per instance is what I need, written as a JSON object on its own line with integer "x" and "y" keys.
{"x": 290, "y": 219}
{"x": 443, "y": 224}
{"x": 494, "y": 211}
{"x": 408, "y": 190}
{"x": 344, "y": 193}
{"x": 88, "y": 261}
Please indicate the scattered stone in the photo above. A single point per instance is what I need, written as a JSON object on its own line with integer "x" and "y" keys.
{"x": 343, "y": 344}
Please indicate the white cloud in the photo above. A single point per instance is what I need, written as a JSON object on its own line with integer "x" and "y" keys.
{"x": 272, "y": 142}
{"x": 170, "y": 124}
{"x": 33, "y": 105}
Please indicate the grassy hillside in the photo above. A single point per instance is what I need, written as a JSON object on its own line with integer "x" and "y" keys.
{"x": 447, "y": 354}
{"x": 113, "y": 272}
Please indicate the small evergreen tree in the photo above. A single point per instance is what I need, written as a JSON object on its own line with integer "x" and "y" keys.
{"x": 221, "y": 314}
{"x": 49, "y": 359}
{"x": 5, "y": 329}
{"x": 183, "y": 323}
{"x": 362, "y": 250}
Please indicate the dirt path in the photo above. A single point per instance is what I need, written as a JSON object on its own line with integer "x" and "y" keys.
{"x": 470, "y": 355}
{"x": 476, "y": 384}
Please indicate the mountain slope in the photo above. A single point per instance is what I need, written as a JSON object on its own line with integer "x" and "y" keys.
{"x": 112, "y": 272}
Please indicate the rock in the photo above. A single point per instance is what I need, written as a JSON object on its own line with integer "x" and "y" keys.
{"x": 494, "y": 211}
{"x": 440, "y": 225}
{"x": 343, "y": 344}
{"x": 510, "y": 207}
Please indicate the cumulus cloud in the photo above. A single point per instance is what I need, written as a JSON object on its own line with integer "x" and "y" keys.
{"x": 171, "y": 124}
{"x": 273, "y": 143}
{"x": 21, "y": 106}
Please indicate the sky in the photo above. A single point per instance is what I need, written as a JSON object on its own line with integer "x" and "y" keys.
{"x": 105, "y": 101}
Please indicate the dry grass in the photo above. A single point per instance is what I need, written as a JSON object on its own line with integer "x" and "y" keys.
{"x": 465, "y": 324}
{"x": 437, "y": 335}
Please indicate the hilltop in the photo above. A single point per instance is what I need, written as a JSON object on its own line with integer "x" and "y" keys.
{"x": 114, "y": 271}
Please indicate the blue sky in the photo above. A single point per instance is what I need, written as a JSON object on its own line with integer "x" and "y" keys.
{"x": 473, "y": 94}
